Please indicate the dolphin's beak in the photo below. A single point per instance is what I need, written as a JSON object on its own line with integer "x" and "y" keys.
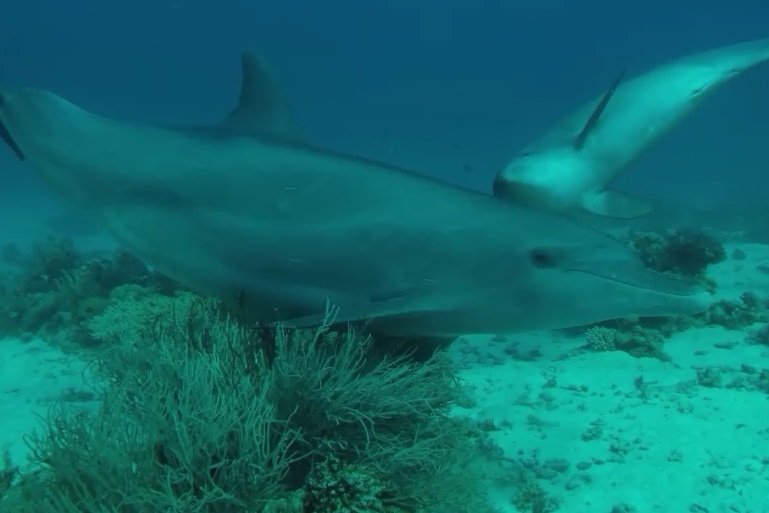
{"x": 5, "y": 135}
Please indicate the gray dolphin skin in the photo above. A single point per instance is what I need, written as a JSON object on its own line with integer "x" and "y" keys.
{"x": 572, "y": 166}
{"x": 245, "y": 208}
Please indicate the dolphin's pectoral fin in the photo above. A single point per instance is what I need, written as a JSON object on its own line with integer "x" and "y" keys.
{"x": 378, "y": 310}
{"x": 262, "y": 109}
{"x": 579, "y": 142}
{"x": 619, "y": 205}
{"x": 343, "y": 317}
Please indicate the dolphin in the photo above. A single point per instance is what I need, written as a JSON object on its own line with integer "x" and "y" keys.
{"x": 574, "y": 164}
{"x": 247, "y": 209}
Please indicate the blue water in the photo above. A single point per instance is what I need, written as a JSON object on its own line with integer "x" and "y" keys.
{"x": 450, "y": 88}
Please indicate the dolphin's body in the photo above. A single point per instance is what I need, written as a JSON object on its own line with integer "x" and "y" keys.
{"x": 247, "y": 209}
{"x": 574, "y": 163}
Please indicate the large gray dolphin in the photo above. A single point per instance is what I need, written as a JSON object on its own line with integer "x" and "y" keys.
{"x": 246, "y": 208}
{"x": 573, "y": 165}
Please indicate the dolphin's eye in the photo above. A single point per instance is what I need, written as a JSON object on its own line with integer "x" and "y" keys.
{"x": 542, "y": 258}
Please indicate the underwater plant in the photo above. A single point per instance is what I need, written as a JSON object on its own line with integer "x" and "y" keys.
{"x": 200, "y": 414}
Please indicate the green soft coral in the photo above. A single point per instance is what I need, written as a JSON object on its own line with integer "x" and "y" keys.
{"x": 201, "y": 414}
{"x": 134, "y": 312}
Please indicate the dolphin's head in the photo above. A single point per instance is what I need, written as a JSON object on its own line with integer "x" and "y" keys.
{"x": 550, "y": 179}
{"x": 527, "y": 270}
{"x": 588, "y": 282}
{"x": 65, "y": 143}
{"x": 571, "y": 275}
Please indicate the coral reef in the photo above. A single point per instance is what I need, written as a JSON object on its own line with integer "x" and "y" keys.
{"x": 735, "y": 314}
{"x": 744, "y": 377}
{"x": 530, "y": 497}
{"x": 646, "y": 337}
{"x": 633, "y": 339}
{"x": 685, "y": 253}
{"x": 201, "y": 414}
{"x": 334, "y": 486}
{"x": 53, "y": 289}
{"x": 8, "y": 472}
{"x": 761, "y": 336}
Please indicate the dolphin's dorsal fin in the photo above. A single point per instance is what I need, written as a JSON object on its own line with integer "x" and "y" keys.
{"x": 593, "y": 119}
{"x": 262, "y": 109}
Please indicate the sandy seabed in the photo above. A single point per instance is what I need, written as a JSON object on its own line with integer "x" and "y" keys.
{"x": 606, "y": 429}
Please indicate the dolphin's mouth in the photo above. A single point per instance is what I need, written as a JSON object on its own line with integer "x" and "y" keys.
{"x": 5, "y": 135}
{"x": 637, "y": 276}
